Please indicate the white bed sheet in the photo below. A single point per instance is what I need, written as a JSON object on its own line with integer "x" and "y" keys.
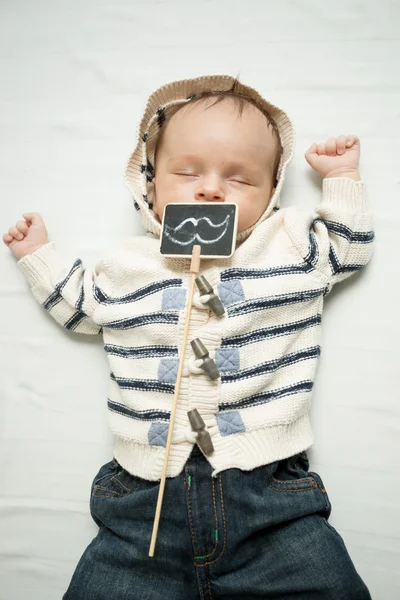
{"x": 74, "y": 79}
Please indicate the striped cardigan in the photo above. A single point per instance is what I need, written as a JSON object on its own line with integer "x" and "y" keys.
{"x": 266, "y": 345}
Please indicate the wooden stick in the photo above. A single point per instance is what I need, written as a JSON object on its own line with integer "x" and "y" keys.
{"x": 194, "y": 269}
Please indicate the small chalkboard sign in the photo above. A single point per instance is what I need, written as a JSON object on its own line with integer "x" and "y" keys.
{"x": 211, "y": 225}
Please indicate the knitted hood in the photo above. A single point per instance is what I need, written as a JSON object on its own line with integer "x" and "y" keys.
{"x": 139, "y": 170}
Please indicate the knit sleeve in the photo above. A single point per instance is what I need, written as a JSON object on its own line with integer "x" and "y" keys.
{"x": 337, "y": 240}
{"x": 69, "y": 292}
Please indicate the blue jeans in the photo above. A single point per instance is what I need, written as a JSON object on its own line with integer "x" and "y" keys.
{"x": 241, "y": 535}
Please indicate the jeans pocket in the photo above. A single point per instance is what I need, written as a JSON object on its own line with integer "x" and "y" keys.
{"x": 107, "y": 470}
{"x": 112, "y": 481}
{"x": 291, "y": 474}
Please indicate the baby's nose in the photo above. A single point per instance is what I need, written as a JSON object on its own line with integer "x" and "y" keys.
{"x": 210, "y": 194}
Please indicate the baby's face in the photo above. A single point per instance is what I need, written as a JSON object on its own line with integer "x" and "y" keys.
{"x": 216, "y": 155}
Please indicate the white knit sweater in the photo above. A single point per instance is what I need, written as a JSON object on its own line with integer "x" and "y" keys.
{"x": 266, "y": 345}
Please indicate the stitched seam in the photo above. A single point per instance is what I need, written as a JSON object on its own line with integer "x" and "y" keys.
{"x": 128, "y": 489}
{"x": 102, "y": 495}
{"x": 224, "y": 521}
{"x": 292, "y": 491}
{"x": 190, "y": 517}
{"x": 103, "y": 479}
{"x": 191, "y": 529}
{"x": 201, "y": 586}
{"x": 270, "y": 477}
{"x": 216, "y": 522}
{"x": 315, "y": 476}
{"x": 106, "y": 477}
{"x": 290, "y": 482}
{"x": 100, "y": 487}
{"x": 208, "y": 583}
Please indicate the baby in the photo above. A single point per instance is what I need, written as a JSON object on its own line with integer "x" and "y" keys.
{"x": 247, "y": 519}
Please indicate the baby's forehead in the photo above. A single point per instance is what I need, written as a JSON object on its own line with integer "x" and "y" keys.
{"x": 246, "y": 119}
{"x": 209, "y": 105}
{"x": 246, "y": 131}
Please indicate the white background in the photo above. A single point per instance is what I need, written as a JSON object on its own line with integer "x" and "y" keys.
{"x": 74, "y": 77}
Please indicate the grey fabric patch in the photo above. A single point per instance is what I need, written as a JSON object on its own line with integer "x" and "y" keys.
{"x": 230, "y": 292}
{"x": 173, "y": 299}
{"x": 168, "y": 369}
{"x": 227, "y": 359}
{"x": 230, "y": 422}
{"x": 158, "y": 434}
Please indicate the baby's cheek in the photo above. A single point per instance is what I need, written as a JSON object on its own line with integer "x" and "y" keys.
{"x": 167, "y": 190}
{"x": 181, "y": 194}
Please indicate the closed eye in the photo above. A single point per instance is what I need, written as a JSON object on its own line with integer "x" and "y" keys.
{"x": 240, "y": 181}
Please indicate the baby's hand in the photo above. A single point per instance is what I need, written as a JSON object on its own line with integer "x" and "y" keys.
{"x": 27, "y": 236}
{"x": 337, "y": 157}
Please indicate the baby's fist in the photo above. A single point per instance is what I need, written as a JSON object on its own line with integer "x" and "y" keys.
{"x": 338, "y": 156}
{"x": 26, "y": 236}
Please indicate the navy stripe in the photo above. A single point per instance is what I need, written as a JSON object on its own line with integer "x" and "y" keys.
{"x": 272, "y": 365}
{"x": 75, "y": 266}
{"x": 98, "y": 294}
{"x": 264, "y": 397}
{"x": 145, "y": 385}
{"x": 358, "y": 237}
{"x": 273, "y": 301}
{"x": 149, "y": 319}
{"x": 152, "y": 288}
{"x": 313, "y": 254}
{"x": 101, "y": 297}
{"x": 141, "y": 351}
{"x": 333, "y": 260}
{"x": 55, "y": 297}
{"x": 79, "y": 302}
{"x": 52, "y": 300}
{"x": 263, "y": 273}
{"x": 337, "y": 267}
{"x": 74, "y": 321}
{"x": 350, "y": 268}
{"x": 150, "y": 167}
{"x": 161, "y": 116}
{"x": 140, "y": 415}
{"x": 237, "y": 341}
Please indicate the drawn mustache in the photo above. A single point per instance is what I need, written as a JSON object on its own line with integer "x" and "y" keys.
{"x": 182, "y": 236}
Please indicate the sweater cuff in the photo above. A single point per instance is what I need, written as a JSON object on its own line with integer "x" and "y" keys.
{"x": 345, "y": 194}
{"x": 37, "y": 265}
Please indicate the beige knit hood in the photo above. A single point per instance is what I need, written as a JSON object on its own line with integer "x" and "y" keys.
{"x": 140, "y": 167}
